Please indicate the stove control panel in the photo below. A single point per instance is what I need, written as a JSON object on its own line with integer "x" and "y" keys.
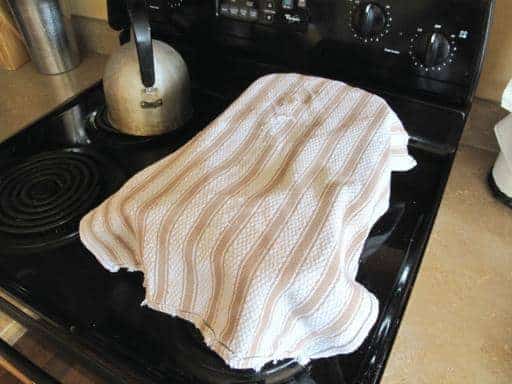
{"x": 287, "y": 13}
{"x": 430, "y": 48}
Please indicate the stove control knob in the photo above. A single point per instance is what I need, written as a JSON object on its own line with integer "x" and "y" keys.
{"x": 431, "y": 49}
{"x": 369, "y": 20}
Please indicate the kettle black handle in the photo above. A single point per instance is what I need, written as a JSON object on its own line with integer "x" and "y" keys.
{"x": 142, "y": 34}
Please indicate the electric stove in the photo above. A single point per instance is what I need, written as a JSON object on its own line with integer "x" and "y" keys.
{"x": 423, "y": 58}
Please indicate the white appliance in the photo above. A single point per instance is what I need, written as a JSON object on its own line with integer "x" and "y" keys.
{"x": 500, "y": 178}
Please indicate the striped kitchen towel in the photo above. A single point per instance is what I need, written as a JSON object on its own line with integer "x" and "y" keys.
{"x": 253, "y": 229}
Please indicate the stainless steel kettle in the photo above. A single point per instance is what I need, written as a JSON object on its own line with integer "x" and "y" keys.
{"x": 146, "y": 82}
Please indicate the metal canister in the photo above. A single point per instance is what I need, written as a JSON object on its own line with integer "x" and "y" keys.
{"x": 46, "y": 27}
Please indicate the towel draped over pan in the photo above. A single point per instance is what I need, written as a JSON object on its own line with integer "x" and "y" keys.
{"x": 253, "y": 229}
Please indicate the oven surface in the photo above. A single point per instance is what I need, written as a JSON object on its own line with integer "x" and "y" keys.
{"x": 66, "y": 284}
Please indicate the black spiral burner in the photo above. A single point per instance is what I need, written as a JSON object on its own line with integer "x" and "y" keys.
{"x": 206, "y": 366}
{"x": 101, "y": 130}
{"x": 43, "y": 198}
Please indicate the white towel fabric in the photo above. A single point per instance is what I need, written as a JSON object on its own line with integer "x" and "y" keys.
{"x": 253, "y": 230}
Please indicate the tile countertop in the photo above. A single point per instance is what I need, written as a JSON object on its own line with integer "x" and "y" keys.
{"x": 457, "y": 327}
{"x": 27, "y": 95}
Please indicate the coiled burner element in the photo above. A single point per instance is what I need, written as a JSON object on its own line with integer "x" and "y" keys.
{"x": 43, "y": 198}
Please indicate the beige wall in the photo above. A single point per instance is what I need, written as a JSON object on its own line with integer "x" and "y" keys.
{"x": 498, "y": 63}
{"x": 497, "y": 67}
{"x": 89, "y": 8}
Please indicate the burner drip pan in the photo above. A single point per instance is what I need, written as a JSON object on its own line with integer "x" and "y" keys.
{"x": 204, "y": 365}
{"x": 43, "y": 198}
{"x": 100, "y": 130}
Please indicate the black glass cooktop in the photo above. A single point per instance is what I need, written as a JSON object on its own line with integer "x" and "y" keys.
{"x": 55, "y": 171}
